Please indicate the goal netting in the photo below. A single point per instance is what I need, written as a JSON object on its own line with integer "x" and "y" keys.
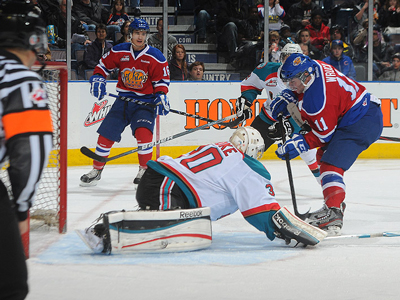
{"x": 49, "y": 209}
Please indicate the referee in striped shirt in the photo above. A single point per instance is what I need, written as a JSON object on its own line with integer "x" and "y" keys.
{"x": 25, "y": 135}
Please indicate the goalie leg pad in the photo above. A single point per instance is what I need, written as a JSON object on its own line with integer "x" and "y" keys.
{"x": 159, "y": 231}
{"x": 290, "y": 226}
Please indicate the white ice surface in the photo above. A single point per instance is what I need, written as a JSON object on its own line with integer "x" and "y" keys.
{"x": 241, "y": 263}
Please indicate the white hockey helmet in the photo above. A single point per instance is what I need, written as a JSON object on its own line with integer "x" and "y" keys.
{"x": 289, "y": 49}
{"x": 249, "y": 141}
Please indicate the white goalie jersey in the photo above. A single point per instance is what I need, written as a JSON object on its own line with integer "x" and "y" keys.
{"x": 221, "y": 177}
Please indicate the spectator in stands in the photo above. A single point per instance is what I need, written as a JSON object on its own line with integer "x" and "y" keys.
{"x": 97, "y": 49}
{"x": 227, "y": 19}
{"x": 196, "y": 71}
{"x": 286, "y": 35}
{"x": 276, "y": 14}
{"x": 392, "y": 73}
{"x": 178, "y": 65}
{"x": 382, "y": 51}
{"x": 44, "y": 56}
{"x": 274, "y": 47}
{"x": 361, "y": 16}
{"x": 205, "y": 13}
{"x": 118, "y": 15}
{"x": 305, "y": 47}
{"x": 250, "y": 36}
{"x": 319, "y": 32}
{"x": 341, "y": 62}
{"x": 156, "y": 39}
{"x": 91, "y": 13}
{"x": 58, "y": 18}
{"x": 360, "y": 43}
{"x": 389, "y": 16}
{"x": 299, "y": 14}
{"x": 135, "y": 4}
{"x": 304, "y": 39}
{"x": 251, "y": 28}
{"x": 337, "y": 33}
{"x": 125, "y": 38}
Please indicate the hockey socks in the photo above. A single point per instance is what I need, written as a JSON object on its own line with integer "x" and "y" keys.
{"x": 144, "y": 136}
{"x": 333, "y": 186}
{"x": 103, "y": 148}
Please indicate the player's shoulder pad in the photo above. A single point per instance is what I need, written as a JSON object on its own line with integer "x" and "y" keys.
{"x": 315, "y": 96}
{"x": 267, "y": 68}
{"x": 256, "y": 166}
{"x": 157, "y": 54}
{"x": 122, "y": 47}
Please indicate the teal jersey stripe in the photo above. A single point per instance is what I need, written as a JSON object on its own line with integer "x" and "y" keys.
{"x": 256, "y": 166}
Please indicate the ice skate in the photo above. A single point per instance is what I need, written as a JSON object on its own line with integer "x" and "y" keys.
{"x": 93, "y": 241}
{"x": 139, "y": 175}
{"x": 91, "y": 178}
{"x": 329, "y": 219}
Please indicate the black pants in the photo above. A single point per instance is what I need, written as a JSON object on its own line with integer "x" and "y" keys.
{"x": 262, "y": 127}
{"x": 13, "y": 270}
{"x": 148, "y": 192}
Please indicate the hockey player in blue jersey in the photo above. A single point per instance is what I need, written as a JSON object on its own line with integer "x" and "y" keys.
{"x": 266, "y": 76}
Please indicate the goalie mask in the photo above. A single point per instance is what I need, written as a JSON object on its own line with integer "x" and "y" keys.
{"x": 21, "y": 27}
{"x": 249, "y": 141}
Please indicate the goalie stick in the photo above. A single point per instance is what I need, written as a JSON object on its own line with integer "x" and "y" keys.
{"x": 89, "y": 153}
{"x": 290, "y": 175}
{"x": 182, "y": 113}
{"x": 296, "y": 116}
{"x": 364, "y": 236}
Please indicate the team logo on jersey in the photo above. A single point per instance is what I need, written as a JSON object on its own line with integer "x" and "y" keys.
{"x": 125, "y": 58}
{"x": 133, "y": 78}
{"x": 98, "y": 113}
{"x": 38, "y": 95}
{"x": 260, "y": 66}
{"x": 271, "y": 82}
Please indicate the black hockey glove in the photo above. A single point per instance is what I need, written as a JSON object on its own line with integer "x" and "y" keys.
{"x": 274, "y": 131}
{"x": 243, "y": 108}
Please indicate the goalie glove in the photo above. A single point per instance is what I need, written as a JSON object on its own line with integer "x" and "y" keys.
{"x": 97, "y": 86}
{"x": 293, "y": 147}
{"x": 274, "y": 131}
{"x": 162, "y": 103}
{"x": 243, "y": 108}
{"x": 279, "y": 104}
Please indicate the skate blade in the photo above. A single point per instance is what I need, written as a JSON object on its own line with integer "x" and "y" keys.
{"x": 333, "y": 230}
{"x": 93, "y": 183}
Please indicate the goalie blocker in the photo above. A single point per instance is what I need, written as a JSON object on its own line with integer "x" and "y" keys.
{"x": 149, "y": 231}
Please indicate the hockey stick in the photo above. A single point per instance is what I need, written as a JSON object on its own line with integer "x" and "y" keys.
{"x": 364, "y": 236}
{"x": 89, "y": 153}
{"x": 387, "y": 138}
{"x": 182, "y": 113}
{"x": 290, "y": 175}
{"x": 296, "y": 116}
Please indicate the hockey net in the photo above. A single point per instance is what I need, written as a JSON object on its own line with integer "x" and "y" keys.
{"x": 50, "y": 207}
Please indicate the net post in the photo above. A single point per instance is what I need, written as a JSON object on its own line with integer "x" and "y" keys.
{"x": 63, "y": 149}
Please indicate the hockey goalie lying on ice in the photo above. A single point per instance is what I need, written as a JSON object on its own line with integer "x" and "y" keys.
{"x": 178, "y": 199}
